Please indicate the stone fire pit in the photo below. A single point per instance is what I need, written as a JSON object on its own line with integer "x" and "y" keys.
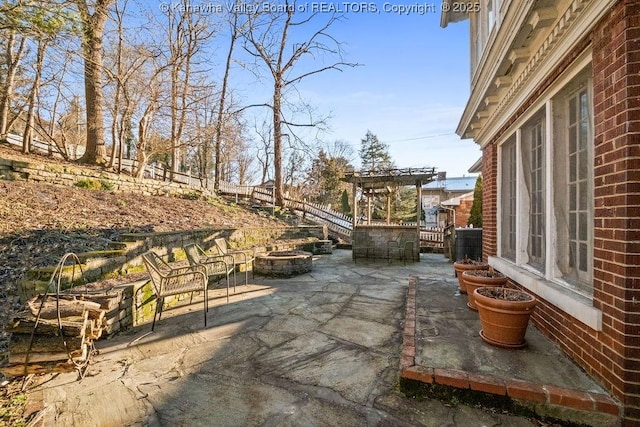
{"x": 283, "y": 263}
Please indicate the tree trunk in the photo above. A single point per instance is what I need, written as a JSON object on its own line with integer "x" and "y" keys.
{"x": 277, "y": 142}
{"x": 12, "y": 62}
{"x": 27, "y": 137}
{"x": 223, "y": 95}
{"x": 93, "y": 26}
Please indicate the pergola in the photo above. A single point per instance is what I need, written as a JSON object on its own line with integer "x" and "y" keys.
{"x": 376, "y": 182}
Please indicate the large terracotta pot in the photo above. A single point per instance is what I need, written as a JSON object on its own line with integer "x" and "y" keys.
{"x": 474, "y": 279}
{"x": 464, "y": 265}
{"x": 504, "y": 315}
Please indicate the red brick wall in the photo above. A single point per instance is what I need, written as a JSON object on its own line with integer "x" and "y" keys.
{"x": 612, "y": 355}
{"x": 463, "y": 212}
{"x": 489, "y": 201}
{"x": 616, "y": 86}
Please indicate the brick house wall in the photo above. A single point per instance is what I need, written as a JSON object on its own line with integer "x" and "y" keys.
{"x": 489, "y": 201}
{"x": 463, "y": 212}
{"x": 616, "y": 83}
{"x": 612, "y": 355}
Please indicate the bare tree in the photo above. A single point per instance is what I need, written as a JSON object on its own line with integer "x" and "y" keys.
{"x": 48, "y": 22}
{"x": 92, "y": 29}
{"x": 264, "y": 131}
{"x": 187, "y": 32}
{"x": 52, "y": 97}
{"x": 146, "y": 93}
{"x": 267, "y": 39}
{"x": 234, "y": 34}
{"x": 126, "y": 61}
{"x": 27, "y": 136}
{"x": 13, "y": 54}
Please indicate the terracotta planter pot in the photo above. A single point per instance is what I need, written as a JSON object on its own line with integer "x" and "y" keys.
{"x": 504, "y": 315}
{"x": 461, "y": 266}
{"x": 474, "y": 279}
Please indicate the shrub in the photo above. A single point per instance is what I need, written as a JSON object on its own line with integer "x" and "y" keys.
{"x": 93, "y": 184}
{"x": 475, "y": 218}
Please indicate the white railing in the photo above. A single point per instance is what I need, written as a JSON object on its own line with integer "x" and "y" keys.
{"x": 433, "y": 237}
{"x": 73, "y": 151}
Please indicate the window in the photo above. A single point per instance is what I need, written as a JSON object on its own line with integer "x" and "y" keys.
{"x": 508, "y": 209}
{"x": 573, "y": 201}
{"x": 559, "y": 238}
{"x": 546, "y": 171}
{"x": 534, "y": 170}
{"x": 483, "y": 16}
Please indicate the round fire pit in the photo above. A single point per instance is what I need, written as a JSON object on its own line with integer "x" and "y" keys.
{"x": 282, "y": 263}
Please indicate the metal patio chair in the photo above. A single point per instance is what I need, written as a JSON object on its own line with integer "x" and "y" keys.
{"x": 169, "y": 281}
{"x": 216, "y": 266}
{"x": 241, "y": 257}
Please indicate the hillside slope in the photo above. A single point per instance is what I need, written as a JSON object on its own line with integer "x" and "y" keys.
{"x": 41, "y": 222}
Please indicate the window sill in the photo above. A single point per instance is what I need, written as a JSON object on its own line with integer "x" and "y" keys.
{"x": 574, "y": 304}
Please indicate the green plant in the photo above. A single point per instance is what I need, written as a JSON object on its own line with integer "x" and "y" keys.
{"x": 106, "y": 185}
{"x": 344, "y": 201}
{"x": 93, "y": 184}
{"x": 192, "y": 195}
{"x": 475, "y": 218}
{"x": 12, "y": 408}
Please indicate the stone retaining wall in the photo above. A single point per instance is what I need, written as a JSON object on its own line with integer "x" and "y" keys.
{"x": 68, "y": 174}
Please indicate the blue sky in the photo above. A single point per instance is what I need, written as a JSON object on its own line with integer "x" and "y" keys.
{"x": 410, "y": 90}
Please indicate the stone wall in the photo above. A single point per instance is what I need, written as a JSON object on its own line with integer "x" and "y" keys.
{"x": 380, "y": 236}
{"x": 69, "y": 174}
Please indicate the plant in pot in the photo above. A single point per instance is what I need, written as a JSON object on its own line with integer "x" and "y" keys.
{"x": 504, "y": 315}
{"x": 467, "y": 264}
{"x": 474, "y": 279}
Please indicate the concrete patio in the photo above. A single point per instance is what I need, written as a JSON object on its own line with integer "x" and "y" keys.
{"x": 334, "y": 347}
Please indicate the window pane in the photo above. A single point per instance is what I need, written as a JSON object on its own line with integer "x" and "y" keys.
{"x": 582, "y": 226}
{"x": 584, "y": 106}
{"x": 573, "y": 160}
{"x": 582, "y": 195}
{"x": 572, "y": 111}
{"x": 572, "y": 227}
{"x": 583, "y": 164}
{"x": 572, "y": 255}
{"x": 583, "y": 257}
{"x": 584, "y": 134}
{"x": 573, "y": 138}
{"x": 508, "y": 211}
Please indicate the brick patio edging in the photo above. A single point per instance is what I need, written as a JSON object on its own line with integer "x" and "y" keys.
{"x": 489, "y": 384}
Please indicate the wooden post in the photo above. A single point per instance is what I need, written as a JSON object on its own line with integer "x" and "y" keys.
{"x": 354, "y": 219}
{"x": 369, "y": 207}
{"x": 388, "y": 208}
{"x": 418, "y": 213}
